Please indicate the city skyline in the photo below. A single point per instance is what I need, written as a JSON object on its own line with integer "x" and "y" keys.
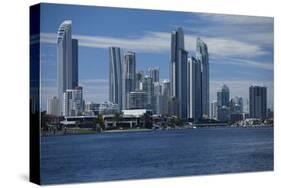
{"x": 91, "y": 80}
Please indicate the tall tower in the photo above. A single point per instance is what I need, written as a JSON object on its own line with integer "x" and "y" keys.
{"x": 129, "y": 77}
{"x": 154, "y": 74}
{"x": 258, "y": 102}
{"x": 194, "y": 90}
{"x": 67, "y": 61}
{"x": 223, "y": 96}
{"x": 74, "y": 63}
{"x": 223, "y": 107}
{"x": 115, "y": 76}
{"x": 147, "y": 86}
{"x": 203, "y": 56}
{"x": 178, "y": 76}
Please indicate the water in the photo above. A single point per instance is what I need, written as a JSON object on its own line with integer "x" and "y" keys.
{"x": 135, "y": 155}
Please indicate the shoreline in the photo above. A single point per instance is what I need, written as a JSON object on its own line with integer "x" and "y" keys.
{"x": 88, "y": 132}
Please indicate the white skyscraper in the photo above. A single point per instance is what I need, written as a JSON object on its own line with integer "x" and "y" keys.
{"x": 203, "y": 56}
{"x": 53, "y": 106}
{"x": 67, "y": 57}
{"x": 115, "y": 76}
{"x": 166, "y": 92}
{"x": 214, "y": 110}
{"x": 73, "y": 102}
{"x": 194, "y": 95}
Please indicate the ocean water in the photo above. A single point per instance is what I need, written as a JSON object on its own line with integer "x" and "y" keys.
{"x": 138, "y": 155}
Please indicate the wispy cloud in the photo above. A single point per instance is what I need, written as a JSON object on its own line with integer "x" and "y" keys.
{"x": 157, "y": 42}
{"x": 265, "y": 65}
{"x": 256, "y": 30}
{"x": 236, "y": 19}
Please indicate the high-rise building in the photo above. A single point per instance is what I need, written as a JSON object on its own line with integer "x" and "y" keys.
{"x": 67, "y": 60}
{"x": 223, "y": 96}
{"x": 203, "y": 56}
{"x": 74, "y": 63}
{"x": 138, "y": 100}
{"x": 194, "y": 94}
{"x": 166, "y": 92}
{"x": 236, "y": 105}
{"x": 115, "y": 76}
{"x": 258, "y": 103}
{"x": 214, "y": 110}
{"x": 73, "y": 102}
{"x": 178, "y": 74}
{"x": 154, "y": 74}
{"x": 129, "y": 77}
{"x": 53, "y": 106}
{"x": 173, "y": 106}
{"x": 139, "y": 80}
{"x": 147, "y": 86}
{"x": 223, "y": 113}
{"x": 157, "y": 98}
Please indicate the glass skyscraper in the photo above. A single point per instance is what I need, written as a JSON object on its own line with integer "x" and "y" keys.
{"x": 178, "y": 75}
{"x": 67, "y": 60}
{"x": 154, "y": 74}
{"x": 223, "y": 96}
{"x": 194, "y": 90}
{"x": 223, "y": 109}
{"x": 203, "y": 56}
{"x": 129, "y": 77}
{"x": 258, "y": 103}
{"x": 115, "y": 76}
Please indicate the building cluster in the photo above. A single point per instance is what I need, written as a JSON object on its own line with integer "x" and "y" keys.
{"x": 226, "y": 109}
{"x": 184, "y": 95}
{"x": 132, "y": 89}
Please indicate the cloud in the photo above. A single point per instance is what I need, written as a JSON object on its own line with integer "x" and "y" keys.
{"x": 157, "y": 42}
{"x": 266, "y": 65}
{"x": 253, "y": 29}
{"x": 236, "y": 19}
{"x": 151, "y": 42}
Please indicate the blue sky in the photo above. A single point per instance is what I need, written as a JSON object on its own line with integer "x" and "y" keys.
{"x": 240, "y": 47}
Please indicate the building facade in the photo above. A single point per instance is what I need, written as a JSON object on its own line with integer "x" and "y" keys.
{"x": 147, "y": 86}
{"x": 178, "y": 76}
{"x": 258, "y": 102}
{"x": 236, "y": 105}
{"x": 223, "y": 94}
{"x": 115, "y": 76}
{"x": 166, "y": 93}
{"x": 53, "y": 106}
{"x": 138, "y": 100}
{"x": 67, "y": 60}
{"x": 194, "y": 96}
{"x": 108, "y": 107}
{"x": 73, "y": 102}
{"x": 154, "y": 74}
{"x": 203, "y": 56}
{"x": 129, "y": 77}
{"x": 214, "y": 110}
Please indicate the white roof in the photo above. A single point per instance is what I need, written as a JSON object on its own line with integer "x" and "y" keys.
{"x": 135, "y": 112}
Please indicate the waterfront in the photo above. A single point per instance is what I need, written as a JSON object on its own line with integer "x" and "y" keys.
{"x": 135, "y": 155}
